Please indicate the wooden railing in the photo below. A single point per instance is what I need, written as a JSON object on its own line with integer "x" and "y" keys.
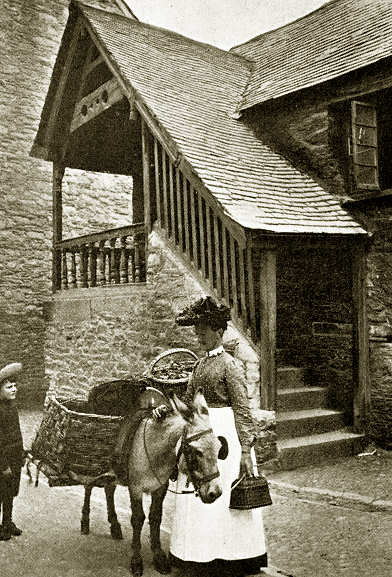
{"x": 193, "y": 223}
{"x": 110, "y": 257}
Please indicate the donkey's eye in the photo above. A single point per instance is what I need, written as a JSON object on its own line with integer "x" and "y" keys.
{"x": 204, "y": 410}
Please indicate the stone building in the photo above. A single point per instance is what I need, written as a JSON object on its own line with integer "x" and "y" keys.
{"x": 259, "y": 180}
{"x": 30, "y": 39}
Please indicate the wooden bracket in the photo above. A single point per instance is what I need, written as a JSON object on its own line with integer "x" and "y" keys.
{"x": 96, "y": 102}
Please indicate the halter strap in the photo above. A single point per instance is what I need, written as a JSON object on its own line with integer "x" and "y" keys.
{"x": 184, "y": 442}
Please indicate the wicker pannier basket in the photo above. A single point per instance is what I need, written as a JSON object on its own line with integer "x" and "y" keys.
{"x": 172, "y": 369}
{"x": 250, "y": 493}
{"x": 71, "y": 439}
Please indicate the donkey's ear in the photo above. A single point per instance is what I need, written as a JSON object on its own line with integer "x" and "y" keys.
{"x": 178, "y": 406}
{"x": 200, "y": 403}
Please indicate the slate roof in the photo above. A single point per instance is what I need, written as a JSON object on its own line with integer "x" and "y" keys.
{"x": 339, "y": 37}
{"x": 192, "y": 90}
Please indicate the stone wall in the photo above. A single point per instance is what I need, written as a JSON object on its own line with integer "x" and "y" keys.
{"x": 98, "y": 335}
{"x": 30, "y": 37}
{"x": 302, "y": 129}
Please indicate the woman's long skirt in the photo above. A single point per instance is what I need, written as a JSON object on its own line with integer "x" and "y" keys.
{"x": 204, "y": 532}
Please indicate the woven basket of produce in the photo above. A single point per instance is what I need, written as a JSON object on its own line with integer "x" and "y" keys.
{"x": 72, "y": 440}
{"x": 250, "y": 493}
{"x": 172, "y": 367}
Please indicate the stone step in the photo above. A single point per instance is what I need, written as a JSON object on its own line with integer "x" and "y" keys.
{"x": 290, "y": 377}
{"x": 307, "y": 422}
{"x": 301, "y": 398}
{"x": 313, "y": 449}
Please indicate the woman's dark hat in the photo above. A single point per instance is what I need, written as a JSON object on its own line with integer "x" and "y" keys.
{"x": 203, "y": 310}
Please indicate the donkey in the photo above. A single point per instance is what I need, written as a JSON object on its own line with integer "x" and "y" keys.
{"x": 184, "y": 438}
{"x": 152, "y": 457}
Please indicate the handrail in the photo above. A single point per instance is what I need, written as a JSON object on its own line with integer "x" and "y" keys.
{"x": 108, "y": 234}
{"x": 110, "y": 257}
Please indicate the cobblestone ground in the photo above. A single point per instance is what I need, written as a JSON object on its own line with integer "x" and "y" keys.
{"x": 311, "y": 539}
{"x": 305, "y": 539}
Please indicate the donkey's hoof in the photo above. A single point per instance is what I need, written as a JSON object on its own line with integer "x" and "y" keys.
{"x": 137, "y": 567}
{"x": 115, "y": 531}
{"x": 161, "y": 562}
{"x": 84, "y": 528}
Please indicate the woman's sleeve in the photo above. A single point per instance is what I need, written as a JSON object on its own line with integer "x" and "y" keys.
{"x": 190, "y": 390}
{"x": 237, "y": 389}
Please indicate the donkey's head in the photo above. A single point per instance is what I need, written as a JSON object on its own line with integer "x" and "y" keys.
{"x": 200, "y": 447}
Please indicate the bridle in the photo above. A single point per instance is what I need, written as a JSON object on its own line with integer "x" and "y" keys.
{"x": 186, "y": 450}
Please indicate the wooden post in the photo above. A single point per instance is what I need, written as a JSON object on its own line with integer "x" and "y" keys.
{"x": 157, "y": 182}
{"x": 146, "y": 177}
{"x": 202, "y": 238}
{"x": 268, "y": 329}
{"x": 226, "y": 281}
{"x": 217, "y": 257}
{"x": 361, "y": 402}
{"x": 57, "y": 211}
{"x": 251, "y": 291}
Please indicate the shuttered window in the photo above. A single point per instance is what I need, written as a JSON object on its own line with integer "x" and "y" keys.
{"x": 364, "y": 145}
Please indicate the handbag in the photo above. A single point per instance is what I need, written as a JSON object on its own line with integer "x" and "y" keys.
{"x": 250, "y": 493}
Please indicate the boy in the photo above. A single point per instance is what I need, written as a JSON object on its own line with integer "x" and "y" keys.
{"x": 11, "y": 449}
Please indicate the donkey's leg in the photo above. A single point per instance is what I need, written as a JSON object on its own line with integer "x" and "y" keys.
{"x": 115, "y": 527}
{"x": 137, "y": 520}
{"x": 85, "y": 521}
{"x": 161, "y": 562}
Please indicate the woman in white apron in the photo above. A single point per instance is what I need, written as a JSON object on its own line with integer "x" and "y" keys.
{"x": 212, "y": 538}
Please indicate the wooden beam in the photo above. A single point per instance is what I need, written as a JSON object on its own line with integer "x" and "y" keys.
{"x": 164, "y": 190}
{"x": 63, "y": 81}
{"x": 57, "y": 215}
{"x": 202, "y": 238}
{"x": 209, "y": 224}
{"x": 172, "y": 203}
{"x": 93, "y": 104}
{"x": 91, "y": 65}
{"x": 226, "y": 285}
{"x": 179, "y": 208}
{"x": 251, "y": 291}
{"x": 186, "y": 217}
{"x": 146, "y": 176}
{"x": 267, "y": 274}
{"x": 157, "y": 181}
{"x": 217, "y": 257}
{"x": 194, "y": 233}
{"x": 233, "y": 263}
{"x": 361, "y": 380}
{"x": 241, "y": 266}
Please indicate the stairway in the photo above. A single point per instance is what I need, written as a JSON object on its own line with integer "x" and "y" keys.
{"x": 308, "y": 432}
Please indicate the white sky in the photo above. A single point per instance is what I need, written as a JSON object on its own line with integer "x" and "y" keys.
{"x": 223, "y": 23}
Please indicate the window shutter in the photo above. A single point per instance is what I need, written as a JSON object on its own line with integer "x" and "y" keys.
{"x": 364, "y": 145}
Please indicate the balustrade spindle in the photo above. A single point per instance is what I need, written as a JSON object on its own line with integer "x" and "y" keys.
{"x": 137, "y": 260}
{"x": 64, "y": 272}
{"x": 123, "y": 261}
{"x": 131, "y": 260}
{"x": 114, "y": 269}
{"x": 73, "y": 269}
{"x": 102, "y": 263}
{"x": 92, "y": 262}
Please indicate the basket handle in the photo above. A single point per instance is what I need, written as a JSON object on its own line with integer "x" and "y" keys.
{"x": 238, "y": 481}
{"x": 171, "y": 352}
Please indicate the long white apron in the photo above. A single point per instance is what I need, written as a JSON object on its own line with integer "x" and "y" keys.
{"x": 203, "y": 532}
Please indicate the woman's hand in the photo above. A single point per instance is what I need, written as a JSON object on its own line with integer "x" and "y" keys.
{"x": 7, "y": 472}
{"x": 246, "y": 465}
{"x": 160, "y": 412}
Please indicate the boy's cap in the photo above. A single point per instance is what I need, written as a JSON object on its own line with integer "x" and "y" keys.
{"x": 9, "y": 371}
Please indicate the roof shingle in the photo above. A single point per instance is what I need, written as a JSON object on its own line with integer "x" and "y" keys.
{"x": 339, "y": 37}
{"x": 193, "y": 89}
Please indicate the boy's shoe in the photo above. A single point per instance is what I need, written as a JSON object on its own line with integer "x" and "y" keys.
{"x": 15, "y": 530}
{"x": 5, "y": 533}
